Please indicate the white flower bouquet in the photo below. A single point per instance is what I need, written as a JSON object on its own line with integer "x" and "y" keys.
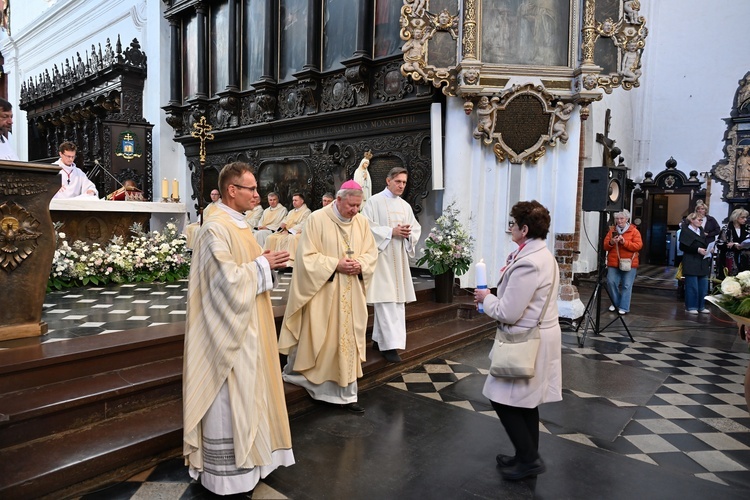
{"x": 448, "y": 247}
{"x": 150, "y": 256}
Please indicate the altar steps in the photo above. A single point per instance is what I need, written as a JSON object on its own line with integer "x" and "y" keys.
{"x": 78, "y": 414}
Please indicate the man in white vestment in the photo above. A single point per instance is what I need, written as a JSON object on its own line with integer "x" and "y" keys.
{"x": 396, "y": 233}
{"x": 272, "y": 218}
{"x": 323, "y": 333}
{"x": 74, "y": 180}
{"x": 6, "y": 124}
{"x": 293, "y": 223}
{"x": 253, "y": 216}
{"x": 236, "y": 427}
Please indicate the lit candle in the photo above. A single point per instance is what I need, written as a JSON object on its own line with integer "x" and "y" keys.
{"x": 165, "y": 189}
{"x": 175, "y": 189}
{"x": 480, "y": 269}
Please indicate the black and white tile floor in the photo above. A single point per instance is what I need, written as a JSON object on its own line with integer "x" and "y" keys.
{"x": 672, "y": 399}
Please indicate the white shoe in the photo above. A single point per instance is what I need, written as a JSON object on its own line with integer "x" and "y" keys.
{"x": 705, "y": 311}
{"x": 611, "y": 309}
{"x": 692, "y": 311}
{"x": 622, "y": 312}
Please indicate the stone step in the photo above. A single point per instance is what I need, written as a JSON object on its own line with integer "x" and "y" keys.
{"x": 63, "y": 406}
{"x": 76, "y": 461}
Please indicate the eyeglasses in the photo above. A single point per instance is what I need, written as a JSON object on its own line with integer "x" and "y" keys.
{"x": 69, "y": 157}
{"x": 511, "y": 223}
{"x": 252, "y": 189}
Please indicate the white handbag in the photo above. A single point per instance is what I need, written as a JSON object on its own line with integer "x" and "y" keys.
{"x": 514, "y": 354}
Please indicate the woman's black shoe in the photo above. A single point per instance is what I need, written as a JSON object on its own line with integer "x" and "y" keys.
{"x": 521, "y": 470}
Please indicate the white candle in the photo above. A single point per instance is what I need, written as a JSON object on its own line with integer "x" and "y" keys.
{"x": 481, "y": 273}
{"x": 480, "y": 269}
{"x": 164, "y": 189}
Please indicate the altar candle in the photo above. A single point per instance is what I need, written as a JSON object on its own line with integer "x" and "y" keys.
{"x": 165, "y": 188}
{"x": 175, "y": 189}
{"x": 480, "y": 269}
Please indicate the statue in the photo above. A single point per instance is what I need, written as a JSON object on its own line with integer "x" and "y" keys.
{"x": 743, "y": 169}
{"x": 630, "y": 10}
{"x": 362, "y": 176}
{"x": 630, "y": 70}
{"x": 559, "y": 128}
{"x": 486, "y": 118}
{"x": 414, "y": 54}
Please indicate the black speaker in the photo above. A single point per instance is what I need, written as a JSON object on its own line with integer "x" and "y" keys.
{"x": 603, "y": 189}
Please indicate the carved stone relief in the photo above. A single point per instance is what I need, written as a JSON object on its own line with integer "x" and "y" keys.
{"x": 19, "y": 232}
{"x": 733, "y": 171}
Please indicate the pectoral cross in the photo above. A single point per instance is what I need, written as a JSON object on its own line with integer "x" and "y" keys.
{"x": 349, "y": 253}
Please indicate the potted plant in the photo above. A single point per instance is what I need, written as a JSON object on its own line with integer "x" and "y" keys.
{"x": 447, "y": 252}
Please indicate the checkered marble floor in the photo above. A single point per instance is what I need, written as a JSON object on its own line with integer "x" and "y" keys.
{"x": 696, "y": 422}
{"x": 88, "y": 311}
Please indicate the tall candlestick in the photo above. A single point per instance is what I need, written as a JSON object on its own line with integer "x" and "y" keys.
{"x": 175, "y": 189}
{"x": 480, "y": 269}
{"x": 164, "y": 189}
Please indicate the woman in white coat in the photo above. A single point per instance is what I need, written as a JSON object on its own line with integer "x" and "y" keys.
{"x": 529, "y": 276}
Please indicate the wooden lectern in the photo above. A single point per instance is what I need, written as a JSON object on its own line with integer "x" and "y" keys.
{"x": 27, "y": 245}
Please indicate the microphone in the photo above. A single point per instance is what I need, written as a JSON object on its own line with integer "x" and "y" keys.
{"x": 100, "y": 167}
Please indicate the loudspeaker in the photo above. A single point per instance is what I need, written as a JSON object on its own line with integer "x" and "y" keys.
{"x": 603, "y": 189}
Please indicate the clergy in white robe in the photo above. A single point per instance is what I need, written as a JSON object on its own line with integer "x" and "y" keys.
{"x": 253, "y": 216}
{"x": 271, "y": 220}
{"x": 235, "y": 423}
{"x": 74, "y": 180}
{"x": 396, "y": 233}
{"x": 323, "y": 332}
{"x": 293, "y": 223}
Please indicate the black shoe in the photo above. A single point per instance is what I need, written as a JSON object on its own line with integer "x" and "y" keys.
{"x": 391, "y": 356}
{"x": 505, "y": 460}
{"x": 353, "y": 407}
{"x": 521, "y": 470}
{"x": 375, "y": 345}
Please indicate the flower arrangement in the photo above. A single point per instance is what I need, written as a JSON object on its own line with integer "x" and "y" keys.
{"x": 448, "y": 247}
{"x": 151, "y": 256}
{"x": 733, "y": 298}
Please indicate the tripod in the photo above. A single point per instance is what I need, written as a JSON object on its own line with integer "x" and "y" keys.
{"x": 592, "y": 314}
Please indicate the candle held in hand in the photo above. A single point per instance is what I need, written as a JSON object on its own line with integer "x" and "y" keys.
{"x": 480, "y": 269}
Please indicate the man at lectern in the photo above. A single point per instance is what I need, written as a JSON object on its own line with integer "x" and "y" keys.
{"x": 74, "y": 180}
{"x": 6, "y": 124}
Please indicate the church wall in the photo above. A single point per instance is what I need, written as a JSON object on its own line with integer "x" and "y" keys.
{"x": 695, "y": 56}
{"x": 37, "y": 43}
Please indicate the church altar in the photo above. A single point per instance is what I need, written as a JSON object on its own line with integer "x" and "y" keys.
{"x": 98, "y": 221}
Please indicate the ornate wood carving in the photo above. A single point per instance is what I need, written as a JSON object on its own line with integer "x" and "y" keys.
{"x": 733, "y": 171}
{"x": 82, "y": 103}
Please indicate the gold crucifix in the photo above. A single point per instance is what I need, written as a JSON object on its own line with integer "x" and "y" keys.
{"x": 201, "y": 132}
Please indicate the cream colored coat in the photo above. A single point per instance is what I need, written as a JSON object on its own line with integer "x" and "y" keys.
{"x": 325, "y": 319}
{"x": 231, "y": 336}
{"x": 521, "y": 295}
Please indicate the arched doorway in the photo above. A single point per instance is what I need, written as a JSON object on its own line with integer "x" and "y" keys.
{"x": 659, "y": 204}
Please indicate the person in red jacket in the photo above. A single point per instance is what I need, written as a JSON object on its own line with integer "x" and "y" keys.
{"x": 623, "y": 241}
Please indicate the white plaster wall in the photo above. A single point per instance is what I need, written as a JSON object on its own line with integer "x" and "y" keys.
{"x": 478, "y": 183}
{"x": 60, "y": 30}
{"x": 695, "y": 55}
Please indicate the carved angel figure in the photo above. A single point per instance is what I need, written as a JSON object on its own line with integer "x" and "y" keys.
{"x": 630, "y": 69}
{"x": 414, "y": 54}
{"x": 743, "y": 169}
{"x": 630, "y": 10}
{"x": 417, "y": 6}
{"x": 559, "y": 128}
{"x": 486, "y": 118}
